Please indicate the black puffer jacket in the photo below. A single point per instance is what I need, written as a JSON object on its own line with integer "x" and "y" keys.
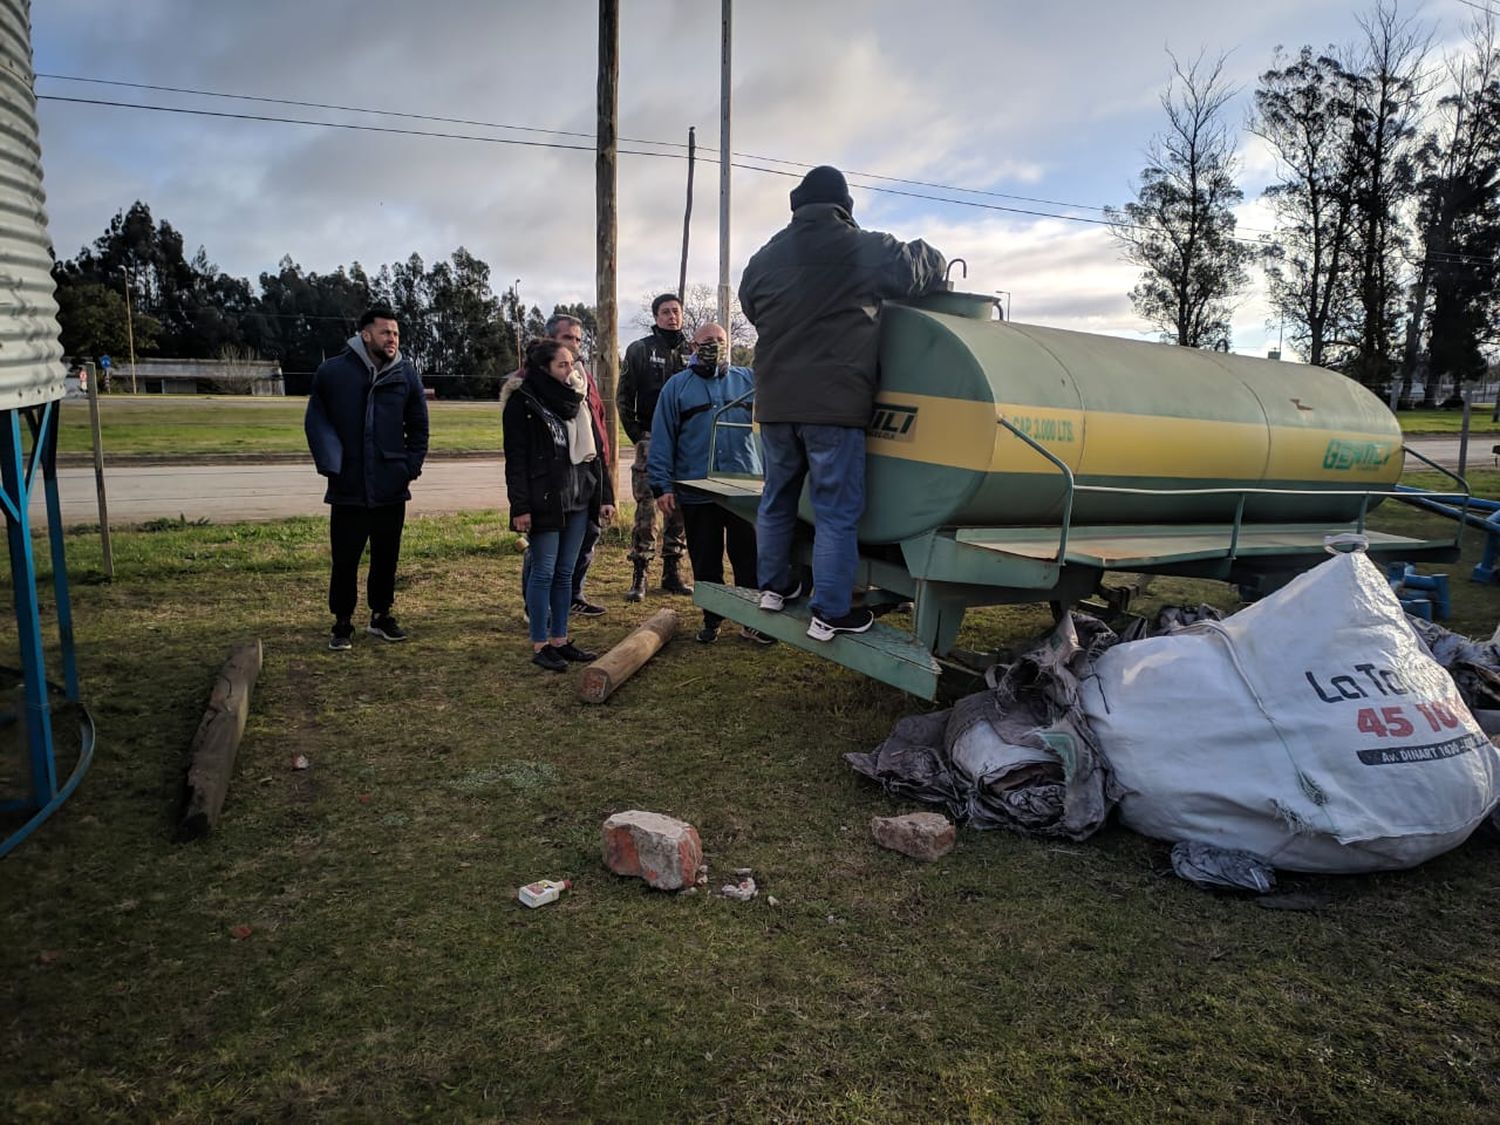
{"x": 813, "y": 293}
{"x": 649, "y": 363}
{"x": 367, "y": 431}
{"x": 539, "y": 476}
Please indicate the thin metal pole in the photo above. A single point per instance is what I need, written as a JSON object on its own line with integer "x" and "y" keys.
{"x": 607, "y": 344}
{"x": 109, "y": 553}
{"x": 130, "y": 333}
{"x": 687, "y": 214}
{"x": 724, "y": 170}
{"x": 1463, "y": 437}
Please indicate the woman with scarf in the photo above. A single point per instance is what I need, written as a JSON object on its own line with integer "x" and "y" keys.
{"x": 556, "y": 483}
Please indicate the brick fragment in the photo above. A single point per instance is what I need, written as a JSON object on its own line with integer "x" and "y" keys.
{"x": 660, "y": 849}
{"x": 923, "y": 835}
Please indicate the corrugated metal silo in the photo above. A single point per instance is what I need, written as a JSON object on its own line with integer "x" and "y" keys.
{"x": 31, "y": 369}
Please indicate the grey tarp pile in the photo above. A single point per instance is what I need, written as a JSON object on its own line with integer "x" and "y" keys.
{"x": 1023, "y": 756}
{"x": 1017, "y": 756}
{"x": 1474, "y": 665}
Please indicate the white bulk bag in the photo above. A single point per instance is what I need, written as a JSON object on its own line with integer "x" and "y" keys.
{"x": 1311, "y": 728}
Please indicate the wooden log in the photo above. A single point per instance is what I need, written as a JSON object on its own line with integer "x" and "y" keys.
{"x": 211, "y": 763}
{"x": 603, "y": 676}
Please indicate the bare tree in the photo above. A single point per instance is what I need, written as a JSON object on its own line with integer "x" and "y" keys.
{"x": 700, "y": 306}
{"x": 1459, "y": 185}
{"x": 240, "y": 369}
{"x": 1385, "y": 81}
{"x": 1302, "y": 113}
{"x": 1180, "y": 229}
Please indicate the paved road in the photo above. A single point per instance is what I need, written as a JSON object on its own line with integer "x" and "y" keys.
{"x": 263, "y": 492}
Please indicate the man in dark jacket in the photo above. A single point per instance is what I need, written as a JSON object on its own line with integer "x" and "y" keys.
{"x": 813, "y": 293}
{"x": 366, "y": 426}
{"x": 649, "y": 363}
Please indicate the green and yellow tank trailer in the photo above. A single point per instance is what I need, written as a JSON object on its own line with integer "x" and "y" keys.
{"x": 1008, "y": 463}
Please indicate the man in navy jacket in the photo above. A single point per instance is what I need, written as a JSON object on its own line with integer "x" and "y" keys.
{"x": 367, "y": 429}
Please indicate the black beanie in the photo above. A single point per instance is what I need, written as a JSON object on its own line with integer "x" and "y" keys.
{"x": 824, "y": 184}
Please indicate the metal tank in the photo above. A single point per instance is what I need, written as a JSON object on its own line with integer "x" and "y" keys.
{"x": 1009, "y": 463}
{"x": 31, "y": 369}
{"x": 1118, "y": 413}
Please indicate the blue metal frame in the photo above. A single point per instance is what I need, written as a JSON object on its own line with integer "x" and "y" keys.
{"x": 17, "y": 479}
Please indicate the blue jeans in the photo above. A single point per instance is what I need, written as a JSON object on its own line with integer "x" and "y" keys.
{"x": 580, "y": 568}
{"x": 549, "y": 586}
{"x": 832, "y": 461}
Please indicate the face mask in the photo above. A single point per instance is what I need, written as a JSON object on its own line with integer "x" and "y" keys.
{"x": 707, "y": 354}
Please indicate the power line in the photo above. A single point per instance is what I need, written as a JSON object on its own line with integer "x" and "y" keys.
{"x": 550, "y": 132}
{"x": 1480, "y": 7}
{"x": 346, "y": 125}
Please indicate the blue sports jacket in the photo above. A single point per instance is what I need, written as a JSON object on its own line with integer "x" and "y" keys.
{"x": 685, "y": 413}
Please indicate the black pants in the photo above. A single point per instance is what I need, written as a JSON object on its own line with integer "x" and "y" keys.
{"x": 350, "y": 526}
{"x": 709, "y": 529}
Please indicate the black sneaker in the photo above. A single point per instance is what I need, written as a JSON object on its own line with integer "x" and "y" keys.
{"x": 549, "y": 658}
{"x": 342, "y": 637}
{"x": 855, "y": 621}
{"x": 583, "y": 608}
{"x": 384, "y": 626}
{"x": 707, "y": 635}
{"x": 573, "y": 654}
{"x": 756, "y": 637}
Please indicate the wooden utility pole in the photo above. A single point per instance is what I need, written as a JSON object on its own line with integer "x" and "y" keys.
{"x": 607, "y": 344}
{"x": 724, "y": 53}
{"x": 130, "y": 333}
{"x": 687, "y": 215}
{"x": 98, "y": 441}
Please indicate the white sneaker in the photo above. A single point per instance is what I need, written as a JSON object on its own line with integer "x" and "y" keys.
{"x": 773, "y": 602}
{"x": 857, "y": 620}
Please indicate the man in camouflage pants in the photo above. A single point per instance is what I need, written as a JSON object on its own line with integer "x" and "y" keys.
{"x": 649, "y": 363}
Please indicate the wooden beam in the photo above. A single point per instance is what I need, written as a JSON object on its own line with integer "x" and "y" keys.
{"x": 603, "y": 676}
{"x": 211, "y": 763}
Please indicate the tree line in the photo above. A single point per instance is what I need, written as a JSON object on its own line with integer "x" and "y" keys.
{"x": 453, "y": 324}
{"x": 1385, "y": 258}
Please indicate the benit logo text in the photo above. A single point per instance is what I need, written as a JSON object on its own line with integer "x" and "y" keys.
{"x": 1358, "y": 455}
{"x": 893, "y": 423}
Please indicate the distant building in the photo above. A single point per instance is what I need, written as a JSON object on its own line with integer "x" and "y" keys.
{"x": 196, "y": 377}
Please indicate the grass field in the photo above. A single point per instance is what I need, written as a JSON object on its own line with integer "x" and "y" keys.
{"x": 237, "y": 425}
{"x": 1447, "y": 421}
{"x": 158, "y": 425}
{"x": 390, "y": 975}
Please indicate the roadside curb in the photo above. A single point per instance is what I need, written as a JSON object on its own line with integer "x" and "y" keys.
{"x": 77, "y": 460}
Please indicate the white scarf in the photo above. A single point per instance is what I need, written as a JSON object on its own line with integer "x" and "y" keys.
{"x": 580, "y": 427}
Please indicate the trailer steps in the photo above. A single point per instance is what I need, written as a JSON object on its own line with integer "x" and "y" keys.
{"x": 890, "y": 655}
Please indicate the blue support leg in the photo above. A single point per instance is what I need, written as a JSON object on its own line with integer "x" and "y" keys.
{"x": 48, "y": 437}
{"x": 37, "y": 716}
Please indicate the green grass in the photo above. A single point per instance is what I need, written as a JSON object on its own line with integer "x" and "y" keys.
{"x": 236, "y": 425}
{"x": 205, "y": 425}
{"x": 1447, "y": 421}
{"x": 390, "y": 974}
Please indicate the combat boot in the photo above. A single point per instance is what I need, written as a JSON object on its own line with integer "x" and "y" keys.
{"x": 671, "y": 581}
{"x": 637, "y": 591}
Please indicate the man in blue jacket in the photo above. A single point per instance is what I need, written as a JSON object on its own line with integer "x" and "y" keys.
{"x": 681, "y": 430}
{"x": 366, "y": 426}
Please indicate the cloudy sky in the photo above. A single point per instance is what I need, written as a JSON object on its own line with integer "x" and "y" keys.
{"x": 1055, "y": 102}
